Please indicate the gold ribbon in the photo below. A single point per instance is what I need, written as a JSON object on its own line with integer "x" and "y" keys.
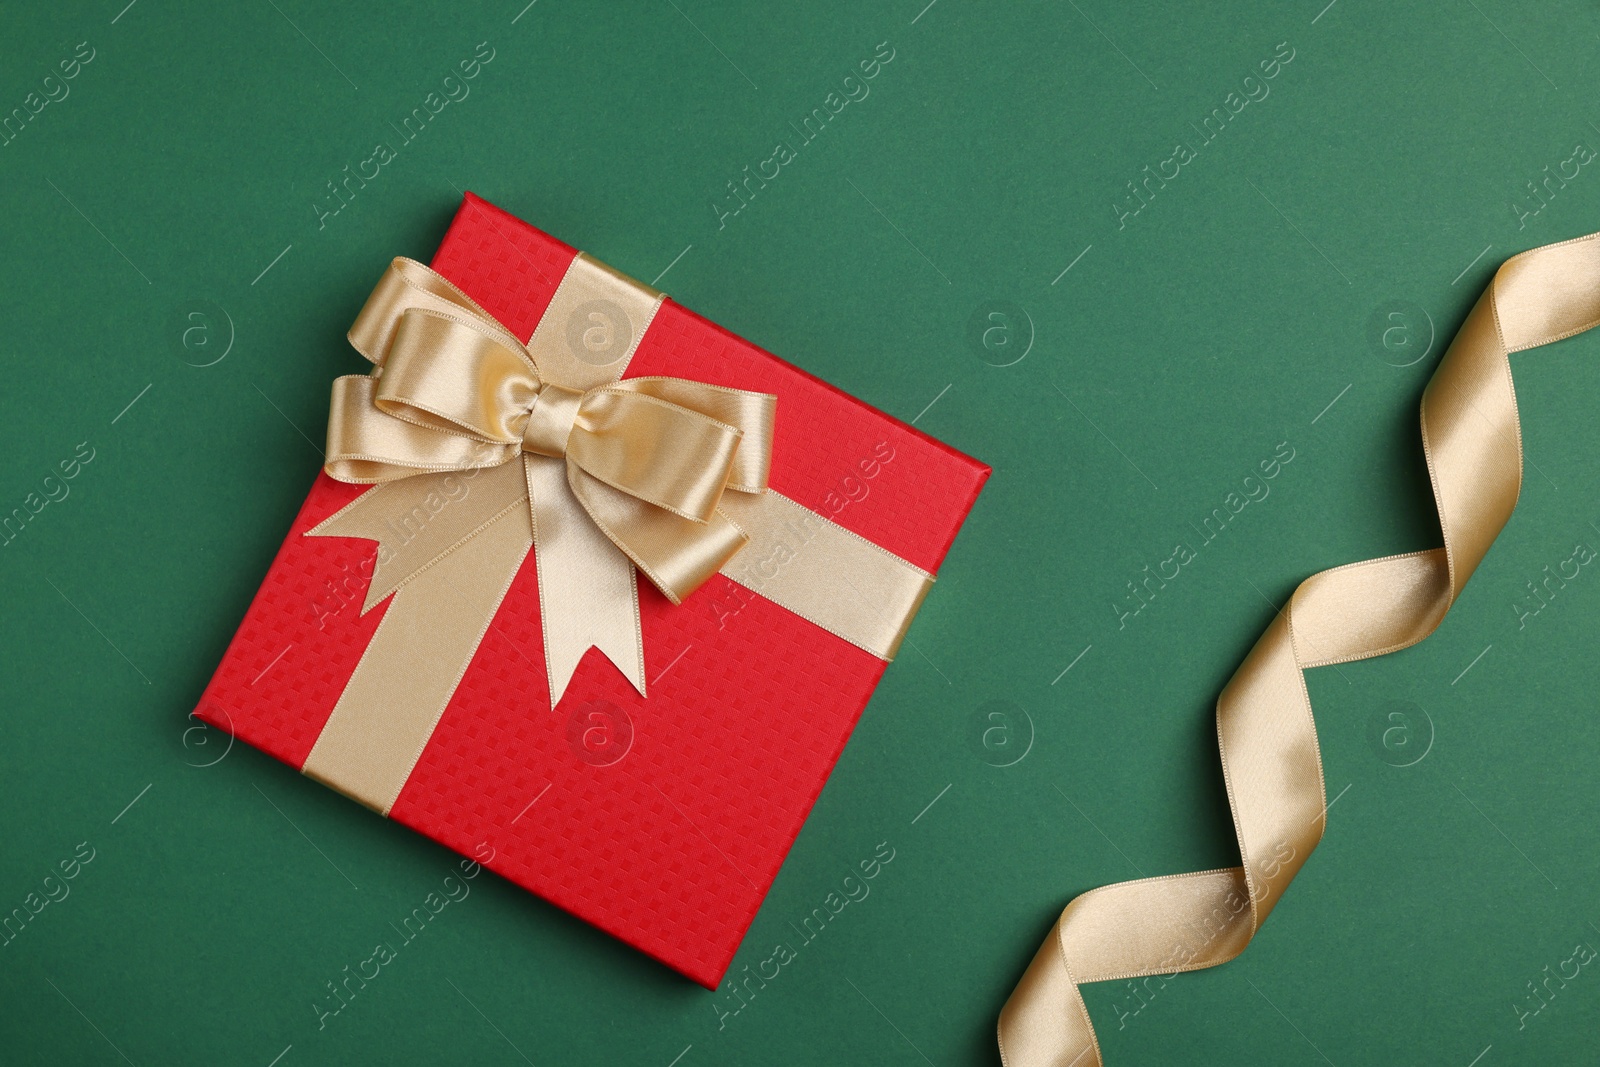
{"x": 481, "y": 447}
{"x": 1268, "y": 741}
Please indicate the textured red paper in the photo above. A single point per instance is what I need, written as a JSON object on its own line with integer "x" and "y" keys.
{"x": 672, "y": 847}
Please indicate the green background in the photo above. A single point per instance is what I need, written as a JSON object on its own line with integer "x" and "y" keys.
{"x": 1173, "y": 357}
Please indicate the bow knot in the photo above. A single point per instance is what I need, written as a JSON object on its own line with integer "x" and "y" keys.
{"x": 551, "y": 421}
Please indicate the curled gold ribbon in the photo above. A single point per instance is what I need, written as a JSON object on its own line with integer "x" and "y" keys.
{"x": 1271, "y": 763}
{"x": 480, "y": 448}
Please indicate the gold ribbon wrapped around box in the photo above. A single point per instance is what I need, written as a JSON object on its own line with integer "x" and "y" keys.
{"x": 1268, "y": 741}
{"x": 597, "y": 475}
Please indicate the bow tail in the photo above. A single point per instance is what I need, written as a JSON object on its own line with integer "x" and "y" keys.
{"x": 588, "y": 591}
{"x": 448, "y": 548}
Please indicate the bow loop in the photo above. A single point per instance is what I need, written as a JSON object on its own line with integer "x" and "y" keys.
{"x": 663, "y": 454}
{"x": 753, "y": 414}
{"x": 405, "y": 285}
{"x": 676, "y": 553}
{"x": 453, "y": 375}
{"x": 366, "y": 446}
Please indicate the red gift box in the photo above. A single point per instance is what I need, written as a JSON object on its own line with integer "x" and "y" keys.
{"x": 661, "y": 820}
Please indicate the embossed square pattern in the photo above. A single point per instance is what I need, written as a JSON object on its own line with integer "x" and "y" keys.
{"x": 672, "y": 846}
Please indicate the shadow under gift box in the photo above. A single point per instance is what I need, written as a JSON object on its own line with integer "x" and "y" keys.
{"x": 661, "y": 820}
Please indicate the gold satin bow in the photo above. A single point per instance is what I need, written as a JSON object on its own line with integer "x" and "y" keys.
{"x": 615, "y": 475}
{"x": 648, "y": 458}
{"x": 1472, "y": 440}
